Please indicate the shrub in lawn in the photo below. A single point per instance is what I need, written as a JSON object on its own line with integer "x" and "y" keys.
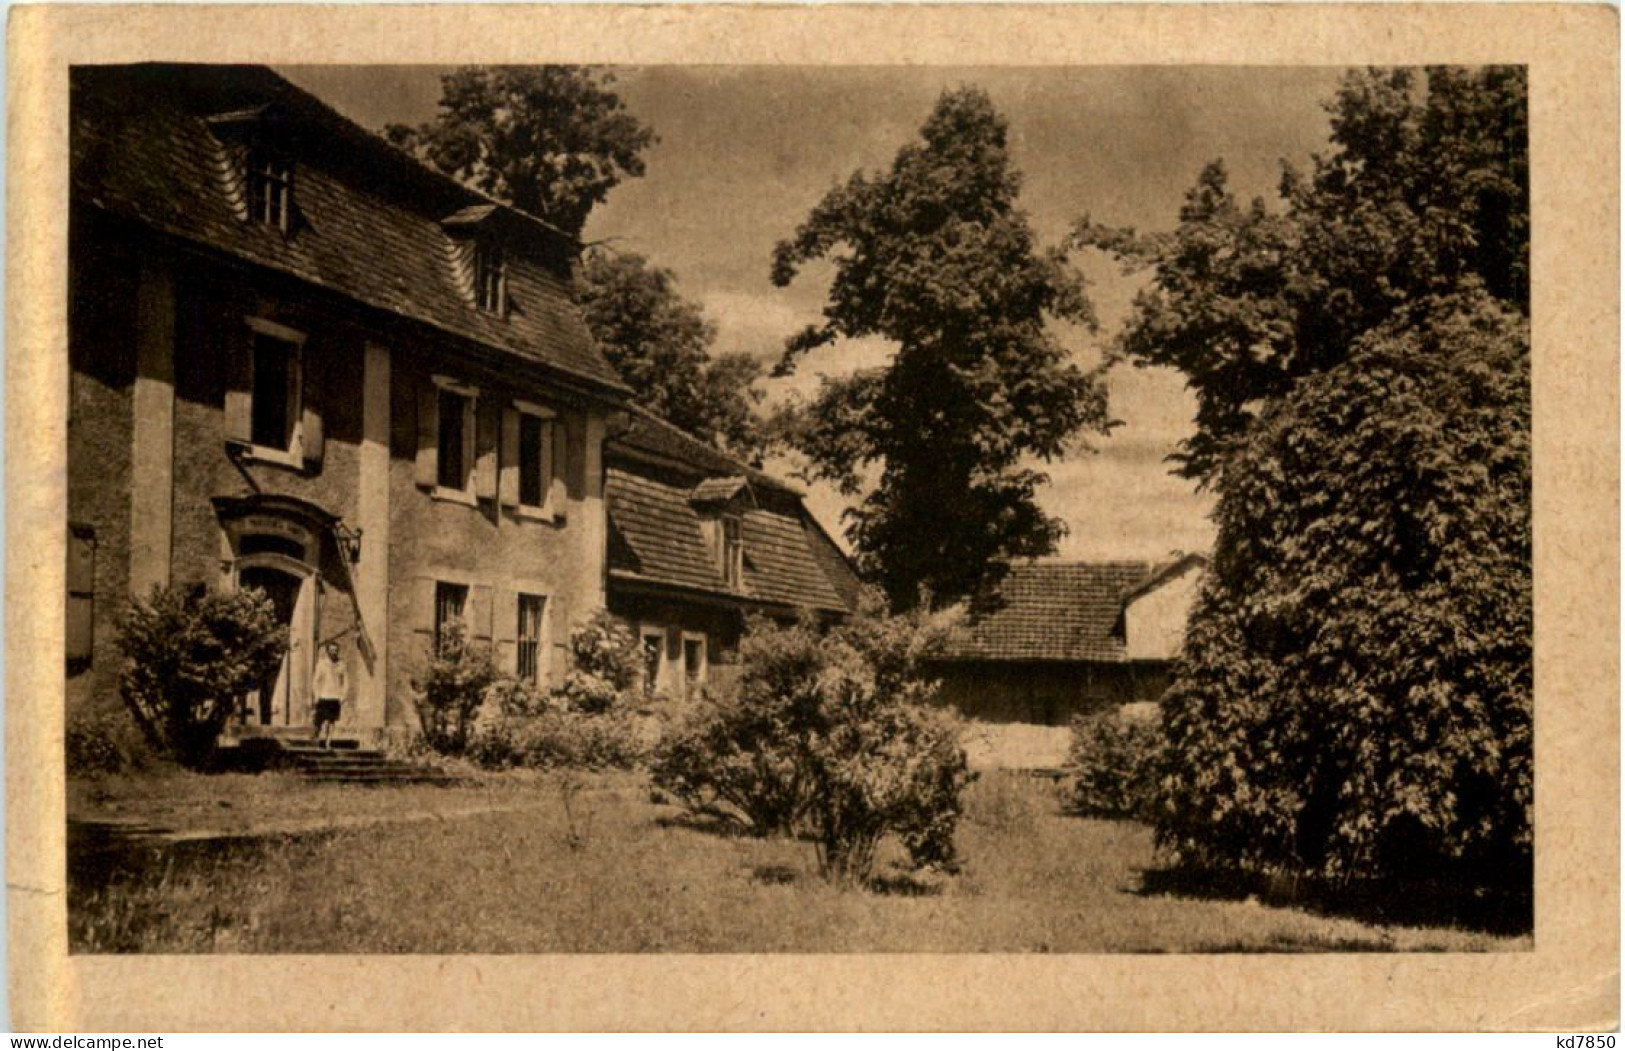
{"x": 1114, "y": 761}
{"x": 100, "y": 742}
{"x": 606, "y": 665}
{"x": 520, "y": 726}
{"x": 580, "y": 740}
{"x": 734, "y": 751}
{"x": 452, "y": 688}
{"x": 827, "y": 733}
{"x": 189, "y": 654}
{"x": 1355, "y": 697}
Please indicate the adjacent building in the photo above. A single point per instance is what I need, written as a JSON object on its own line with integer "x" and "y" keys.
{"x": 1062, "y": 638}
{"x": 698, "y": 542}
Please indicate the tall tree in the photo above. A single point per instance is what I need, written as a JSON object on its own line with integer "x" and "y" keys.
{"x": 934, "y": 256}
{"x": 550, "y": 140}
{"x": 1354, "y": 701}
{"x": 660, "y": 344}
{"x": 1425, "y": 193}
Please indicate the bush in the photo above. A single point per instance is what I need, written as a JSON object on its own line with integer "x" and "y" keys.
{"x": 559, "y": 738}
{"x": 1355, "y": 697}
{"x": 452, "y": 689}
{"x": 189, "y": 655}
{"x": 828, "y": 734}
{"x": 579, "y": 740}
{"x": 520, "y": 726}
{"x": 1114, "y": 762}
{"x": 606, "y": 665}
{"x": 100, "y": 743}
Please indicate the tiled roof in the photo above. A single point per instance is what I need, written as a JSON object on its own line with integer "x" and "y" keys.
{"x": 367, "y": 218}
{"x": 648, "y": 435}
{"x": 656, "y": 537}
{"x": 661, "y": 533}
{"x": 1055, "y": 611}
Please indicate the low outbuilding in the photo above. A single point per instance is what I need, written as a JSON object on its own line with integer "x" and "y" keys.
{"x": 1061, "y": 638}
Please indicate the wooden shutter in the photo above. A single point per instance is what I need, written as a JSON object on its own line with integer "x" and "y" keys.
{"x": 239, "y": 357}
{"x": 508, "y": 457}
{"x": 311, "y": 431}
{"x": 558, "y": 452}
{"x": 506, "y": 628}
{"x": 478, "y": 612}
{"x": 423, "y": 605}
{"x": 428, "y": 461}
{"x": 485, "y": 450}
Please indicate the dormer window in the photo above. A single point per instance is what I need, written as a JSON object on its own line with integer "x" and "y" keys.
{"x": 733, "y": 551}
{"x": 270, "y": 189}
{"x": 721, "y": 504}
{"x": 490, "y": 278}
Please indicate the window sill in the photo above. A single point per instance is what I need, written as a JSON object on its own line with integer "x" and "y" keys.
{"x": 539, "y": 514}
{"x": 454, "y": 496}
{"x": 267, "y": 455}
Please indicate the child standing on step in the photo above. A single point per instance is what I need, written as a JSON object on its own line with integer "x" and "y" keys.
{"x": 329, "y": 688}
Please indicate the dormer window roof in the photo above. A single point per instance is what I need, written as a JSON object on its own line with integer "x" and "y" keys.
{"x": 469, "y": 219}
{"x": 480, "y": 229}
{"x": 258, "y": 164}
{"x": 716, "y": 492}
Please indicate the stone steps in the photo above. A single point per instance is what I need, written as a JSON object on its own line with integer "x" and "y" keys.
{"x": 343, "y": 761}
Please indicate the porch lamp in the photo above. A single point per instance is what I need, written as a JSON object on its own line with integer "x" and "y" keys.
{"x": 349, "y": 541}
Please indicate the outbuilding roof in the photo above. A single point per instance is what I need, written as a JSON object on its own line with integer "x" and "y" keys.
{"x": 160, "y": 145}
{"x": 1051, "y": 610}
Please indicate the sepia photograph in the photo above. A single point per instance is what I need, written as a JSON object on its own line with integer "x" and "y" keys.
{"x": 565, "y": 508}
{"x": 865, "y": 518}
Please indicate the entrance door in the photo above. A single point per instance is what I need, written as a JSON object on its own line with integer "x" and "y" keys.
{"x": 283, "y": 696}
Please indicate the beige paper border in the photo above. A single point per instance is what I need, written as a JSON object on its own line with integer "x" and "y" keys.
{"x": 1568, "y": 981}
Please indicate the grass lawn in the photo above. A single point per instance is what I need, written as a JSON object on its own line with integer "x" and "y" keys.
{"x": 616, "y": 872}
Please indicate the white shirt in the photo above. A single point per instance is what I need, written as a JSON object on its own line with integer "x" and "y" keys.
{"x": 329, "y": 682}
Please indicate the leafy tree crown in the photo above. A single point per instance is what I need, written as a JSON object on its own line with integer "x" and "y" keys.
{"x": 550, "y": 140}
{"x": 934, "y": 257}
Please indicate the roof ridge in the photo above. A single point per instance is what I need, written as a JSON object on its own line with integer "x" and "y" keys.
{"x": 701, "y": 447}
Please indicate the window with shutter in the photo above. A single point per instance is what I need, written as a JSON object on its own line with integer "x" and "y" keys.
{"x": 733, "y": 551}
{"x": 271, "y": 399}
{"x": 654, "y": 651}
{"x": 530, "y": 454}
{"x": 532, "y": 484}
{"x": 450, "y": 600}
{"x": 447, "y": 444}
{"x": 529, "y": 635}
{"x": 694, "y": 661}
{"x": 452, "y": 426}
{"x": 268, "y": 412}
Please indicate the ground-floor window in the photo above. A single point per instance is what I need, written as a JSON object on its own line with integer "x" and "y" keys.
{"x": 529, "y": 635}
{"x": 693, "y": 661}
{"x": 654, "y": 647}
{"x": 449, "y": 602}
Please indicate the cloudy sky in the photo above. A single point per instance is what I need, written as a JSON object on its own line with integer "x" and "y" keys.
{"x": 746, "y": 152}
